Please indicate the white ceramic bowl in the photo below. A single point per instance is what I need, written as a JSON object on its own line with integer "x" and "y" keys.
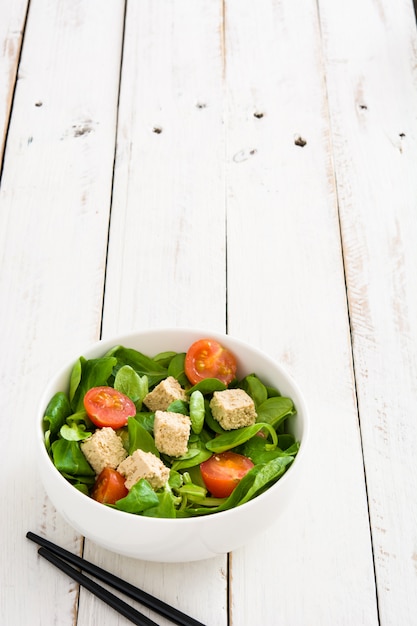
{"x": 175, "y": 540}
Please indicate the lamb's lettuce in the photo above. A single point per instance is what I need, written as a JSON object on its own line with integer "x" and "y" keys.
{"x": 140, "y": 438}
{"x": 255, "y": 449}
{"x": 89, "y": 373}
{"x": 70, "y": 461}
{"x": 197, "y": 453}
{"x": 176, "y": 369}
{"x": 135, "y": 387}
{"x": 164, "y": 358}
{"x": 56, "y": 412}
{"x": 233, "y": 438}
{"x": 268, "y": 442}
{"x": 142, "y": 364}
{"x": 259, "y": 478}
{"x": 275, "y": 410}
{"x": 208, "y": 386}
{"x": 140, "y": 497}
{"x": 255, "y": 388}
{"x": 77, "y": 427}
{"x": 164, "y": 508}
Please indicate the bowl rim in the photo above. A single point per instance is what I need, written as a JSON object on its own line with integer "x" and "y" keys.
{"x": 122, "y": 339}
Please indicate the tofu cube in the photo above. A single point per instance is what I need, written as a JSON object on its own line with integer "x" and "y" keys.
{"x": 171, "y": 432}
{"x": 233, "y": 408}
{"x": 143, "y": 465}
{"x": 167, "y": 391}
{"x": 103, "y": 449}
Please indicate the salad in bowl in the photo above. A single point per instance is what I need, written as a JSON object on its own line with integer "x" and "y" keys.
{"x": 170, "y": 427}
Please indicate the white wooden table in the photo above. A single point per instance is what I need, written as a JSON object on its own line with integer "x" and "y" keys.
{"x": 245, "y": 166}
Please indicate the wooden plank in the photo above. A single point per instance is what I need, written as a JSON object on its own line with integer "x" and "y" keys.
{"x": 166, "y": 261}
{"x": 314, "y": 566}
{"x": 12, "y": 21}
{"x": 168, "y": 212}
{"x": 54, "y": 211}
{"x": 373, "y": 102}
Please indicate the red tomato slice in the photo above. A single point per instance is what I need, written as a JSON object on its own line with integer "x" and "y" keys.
{"x": 106, "y": 406}
{"x": 206, "y": 358}
{"x": 109, "y": 486}
{"x": 222, "y": 472}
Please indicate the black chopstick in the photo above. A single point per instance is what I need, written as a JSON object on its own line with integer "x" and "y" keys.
{"x": 109, "y": 598}
{"x": 174, "y": 615}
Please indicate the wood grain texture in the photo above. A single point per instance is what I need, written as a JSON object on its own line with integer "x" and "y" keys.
{"x": 166, "y": 259}
{"x": 373, "y": 100}
{"x": 12, "y": 22}
{"x": 239, "y": 166}
{"x": 54, "y": 212}
{"x": 284, "y": 253}
{"x": 168, "y": 217}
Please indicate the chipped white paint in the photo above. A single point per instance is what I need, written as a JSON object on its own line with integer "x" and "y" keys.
{"x": 54, "y": 211}
{"x": 241, "y": 130}
{"x": 373, "y": 103}
{"x": 283, "y": 242}
{"x": 12, "y": 21}
{"x": 166, "y": 262}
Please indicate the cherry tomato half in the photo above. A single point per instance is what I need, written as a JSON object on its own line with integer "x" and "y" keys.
{"x": 206, "y": 358}
{"x": 222, "y": 472}
{"x": 109, "y": 486}
{"x": 106, "y": 406}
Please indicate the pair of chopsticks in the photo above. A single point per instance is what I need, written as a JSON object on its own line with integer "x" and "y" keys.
{"x": 62, "y": 559}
